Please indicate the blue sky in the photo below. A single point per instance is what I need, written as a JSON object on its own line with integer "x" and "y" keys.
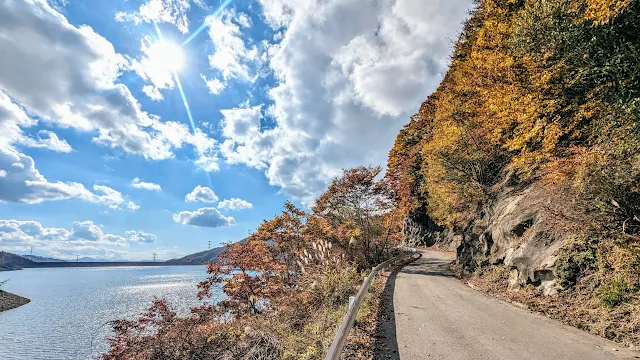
{"x": 98, "y": 156}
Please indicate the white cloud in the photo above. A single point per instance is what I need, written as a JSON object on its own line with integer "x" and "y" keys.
{"x": 13, "y": 232}
{"x": 215, "y": 86}
{"x": 132, "y": 206}
{"x": 244, "y": 143}
{"x": 201, "y": 194}
{"x": 157, "y": 65}
{"x": 161, "y": 11}
{"x": 113, "y": 239}
{"x": 3, "y": 172}
{"x": 16, "y": 231}
{"x": 71, "y": 83}
{"x": 86, "y": 230}
{"x": 231, "y": 56}
{"x": 13, "y": 119}
{"x": 234, "y": 204}
{"x": 110, "y": 197}
{"x": 140, "y": 236}
{"x": 23, "y": 183}
{"x": 207, "y": 158}
{"x": 207, "y": 163}
{"x": 240, "y": 124}
{"x": 139, "y": 184}
{"x": 84, "y": 237}
{"x": 204, "y": 217}
{"x": 152, "y": 92}
{"x": 177, "y": 134}
{"x": 47, "y": 140}
{"x": 349, "y": 74}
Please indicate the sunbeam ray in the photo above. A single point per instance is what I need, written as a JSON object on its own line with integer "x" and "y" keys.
{"x": 205, "y": 24}
{"x": 183, "y": 96}
{"x": 177, "y": 79}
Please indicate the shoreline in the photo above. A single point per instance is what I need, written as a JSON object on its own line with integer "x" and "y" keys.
{"x": 42, "y": 265}
{"x": 10, "y": 301}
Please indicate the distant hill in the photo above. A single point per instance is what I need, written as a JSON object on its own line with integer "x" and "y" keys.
{"x": 199, "y": 257}
{"x": 39, "y": 259}
{"x": 9, "y": 261}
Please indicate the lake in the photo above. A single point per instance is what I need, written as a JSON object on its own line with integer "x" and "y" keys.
{"x": 69, "y": 308}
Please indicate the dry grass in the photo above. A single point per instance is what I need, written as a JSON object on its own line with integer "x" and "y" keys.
{"x": 369, "y": 338}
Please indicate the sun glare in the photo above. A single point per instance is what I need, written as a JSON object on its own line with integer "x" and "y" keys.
{"x": 166, "y": 55}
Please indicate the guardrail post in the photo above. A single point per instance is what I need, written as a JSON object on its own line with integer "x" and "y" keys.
{"x": 354, "y": 305}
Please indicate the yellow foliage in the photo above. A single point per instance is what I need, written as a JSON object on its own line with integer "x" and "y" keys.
{"x": 530, "y": 80}
{"x": 602, "y": 11}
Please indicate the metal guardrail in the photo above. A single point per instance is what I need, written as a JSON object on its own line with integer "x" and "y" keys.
{"x": 340, "y": 339}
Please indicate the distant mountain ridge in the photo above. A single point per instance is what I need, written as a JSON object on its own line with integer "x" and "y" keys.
{"x": 200, "y": 257}
{"x": 9, "y": 261}
{"x": 38, "y": 259}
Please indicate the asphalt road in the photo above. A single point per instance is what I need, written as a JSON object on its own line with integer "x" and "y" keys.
{"x": 439, "y": 317}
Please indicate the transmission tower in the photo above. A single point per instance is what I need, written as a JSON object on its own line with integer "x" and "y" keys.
{"x": 209, "y": 244}
{"x": 31, "y": 251}
{"x": 77, "y": 258}
{"x": 154, "y": 257}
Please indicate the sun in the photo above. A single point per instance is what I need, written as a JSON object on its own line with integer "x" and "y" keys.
{"x": 166, "y": 55}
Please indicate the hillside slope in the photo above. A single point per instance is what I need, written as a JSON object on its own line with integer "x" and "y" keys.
{"x": 200, "y": 257}
{"x": 10, "y": 261}
{"x": 526, "y": 159}
{"x": 39, "y": 259}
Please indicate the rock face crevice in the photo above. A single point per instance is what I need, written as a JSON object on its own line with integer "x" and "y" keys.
{"x": 420, "y": 230}
{"x": 514, "y": 233}
{"x": 511, "y": 232}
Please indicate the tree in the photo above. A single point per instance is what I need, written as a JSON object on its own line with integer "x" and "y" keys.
{"x": 356, "y": 212}
{"x": 284, "y": 239}
{"x": 248, "y": 276}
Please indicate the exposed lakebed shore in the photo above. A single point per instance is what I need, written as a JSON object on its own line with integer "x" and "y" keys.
{"x": 10, "y": 301}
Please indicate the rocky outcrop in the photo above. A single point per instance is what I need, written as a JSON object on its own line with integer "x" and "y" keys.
{"x": 513, "y": 233}
{"x": 10, "y": 301}
{"x": 420, "y": 230}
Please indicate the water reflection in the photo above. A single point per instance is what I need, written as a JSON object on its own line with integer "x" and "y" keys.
{"x": 70, "y": 307}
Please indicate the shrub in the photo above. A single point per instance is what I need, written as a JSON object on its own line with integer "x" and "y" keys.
{"x": 616, "y": 293}
{"x": 575, "y": 260}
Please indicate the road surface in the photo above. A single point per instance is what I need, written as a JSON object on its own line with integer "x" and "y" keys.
{"x": 439, "y": 317}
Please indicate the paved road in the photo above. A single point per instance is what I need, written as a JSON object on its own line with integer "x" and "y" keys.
{"x": 438, "y": 317}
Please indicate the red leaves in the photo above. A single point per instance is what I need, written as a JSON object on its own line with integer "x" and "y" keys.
{"x": 292, "y": 264}
{"x": 357, "y": 210}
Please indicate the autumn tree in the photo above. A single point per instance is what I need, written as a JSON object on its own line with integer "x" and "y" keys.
{"x": 249, "y": 275}
{"x": 283, "y": 237}
{"x": 356, "y": 209}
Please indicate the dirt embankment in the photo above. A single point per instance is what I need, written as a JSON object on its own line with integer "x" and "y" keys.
{"x": 10, "y": 301}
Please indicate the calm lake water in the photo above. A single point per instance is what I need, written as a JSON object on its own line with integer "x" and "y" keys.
{"x": 70, "y": 306}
